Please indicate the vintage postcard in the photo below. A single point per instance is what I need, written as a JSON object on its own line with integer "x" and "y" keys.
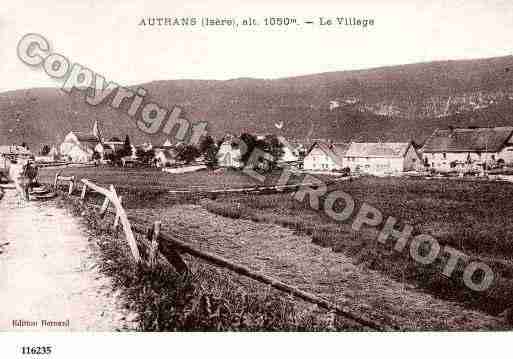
{"x": 276, "y": 166}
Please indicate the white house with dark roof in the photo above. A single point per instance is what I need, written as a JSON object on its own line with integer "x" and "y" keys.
{"x": 79, "y": 146}
{"x": 368, "y": 157}
{"x": 325, "y": 156}
{"x": 448, "y": 148}
{"x": 229, "y": 154}
{"x": 382, "y": 157}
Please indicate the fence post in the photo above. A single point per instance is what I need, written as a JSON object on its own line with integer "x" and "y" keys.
{"x": 116, "y": 220}
{"x": 126, "y": 225}
{"x": 104, "y": 207}
{"x": 83, "y": 194}
{"x": 71, "y": 185}
{"x": 154, "y": 240}
{"x": 56, "y": 181}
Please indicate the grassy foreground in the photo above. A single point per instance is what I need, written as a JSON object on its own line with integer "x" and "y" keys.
{"x": 473, "y": 217}
{"x": 208, "y": 299}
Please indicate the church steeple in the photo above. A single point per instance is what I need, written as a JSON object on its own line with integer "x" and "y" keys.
{"x": 96, "y": 131}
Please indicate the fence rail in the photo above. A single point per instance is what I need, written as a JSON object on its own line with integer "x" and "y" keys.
{"x": 155, "y": 245}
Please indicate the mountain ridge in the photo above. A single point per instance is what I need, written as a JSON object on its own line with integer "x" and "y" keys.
{"x": 384, "y": 103}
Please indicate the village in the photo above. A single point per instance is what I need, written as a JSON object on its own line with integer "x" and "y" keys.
{"x": 473, "y": 151}
{"x": 205, "y": 206}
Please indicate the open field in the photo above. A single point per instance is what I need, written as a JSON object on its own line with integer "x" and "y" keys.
{"x": 292, "y": 258}
{"x": 473, "y": 217}
{"x": 470, "y": 216}
{"x": 156, "y": 180}
{"x": 150, "y": 187}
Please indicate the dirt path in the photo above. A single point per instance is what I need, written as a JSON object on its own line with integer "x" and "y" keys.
{"x": 48, "y": 272}
{"x": 278, "y": 252}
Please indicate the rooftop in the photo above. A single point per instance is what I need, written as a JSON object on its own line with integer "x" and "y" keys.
{"x": 377, "y": 149}
{"x": 482, "y": 139}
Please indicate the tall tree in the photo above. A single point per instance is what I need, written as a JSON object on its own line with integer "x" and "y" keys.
{"x": 275, "y": 148}
{"x": 247, "y": 145}
{"x": 127, "y": 147}
{"x": 269, "y": 144}
{"x": 145, "y": 156}
{"x": 209, "y": 149}
{"x": 45, "y": 150}
{"x": 188, "y": 153}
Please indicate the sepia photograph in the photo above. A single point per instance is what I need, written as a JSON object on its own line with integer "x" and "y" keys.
{"x": 311, "y": 168}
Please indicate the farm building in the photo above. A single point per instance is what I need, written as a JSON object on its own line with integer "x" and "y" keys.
{"x": 79, "y": 147}
{"x": 325, "y": 156}
{"x": 446, "y": 149}
{"x": 382, "y": 157}
{"x": 229, "y": 154}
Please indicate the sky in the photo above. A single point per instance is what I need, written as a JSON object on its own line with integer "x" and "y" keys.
{"x": 107, "y": 38}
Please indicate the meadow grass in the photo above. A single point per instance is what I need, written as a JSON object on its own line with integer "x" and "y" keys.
{"x": 152, "y": 179}
{"x": 206, "y": 299}
{"x": 473, "y": 217}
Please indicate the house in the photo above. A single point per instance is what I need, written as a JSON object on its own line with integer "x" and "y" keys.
{"x": 382, "y": 157}
{"x": 54, "y": 152}
{"x": 114, "y": 144}
{"x": 52, "y": 156}
{"x": 147, "y": 146}
{"x": 290, "y": 154}
{"x": 229, "y": 154}
{"x": 446, "y": 149}
{"x": 80, "y": 147}
{"x": 334, "y": 104}
{"x": 325, "y": 156}
{"x": 165, "y": 157}
{"x": 13, "y": 152}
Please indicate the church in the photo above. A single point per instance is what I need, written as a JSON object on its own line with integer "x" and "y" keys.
{"x": 80, "y": 147}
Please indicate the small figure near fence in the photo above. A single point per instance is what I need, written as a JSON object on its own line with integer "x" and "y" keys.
{"x": 23, "y": 173}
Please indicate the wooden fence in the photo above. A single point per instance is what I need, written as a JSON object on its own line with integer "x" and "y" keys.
{"x": 155, "y": 244}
